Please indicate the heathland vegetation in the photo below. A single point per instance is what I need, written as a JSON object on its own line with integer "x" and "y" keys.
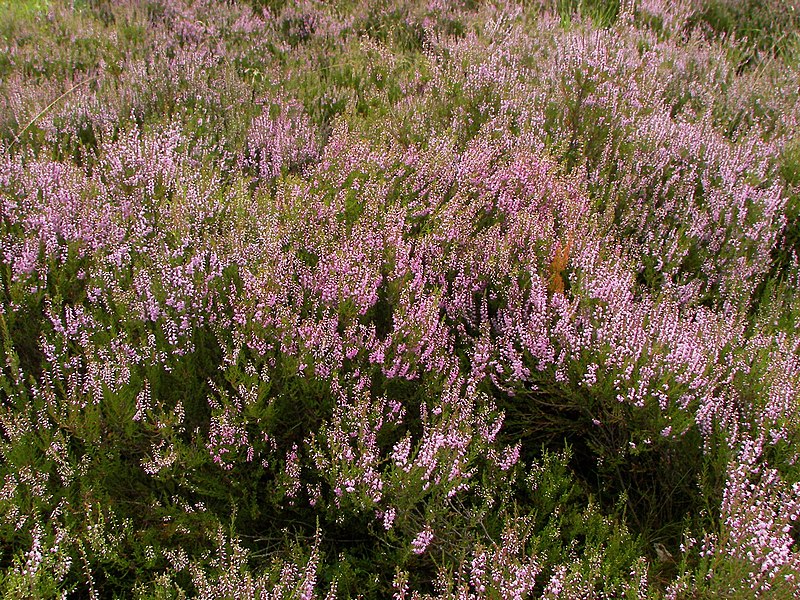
{"x": 429, "y": 299}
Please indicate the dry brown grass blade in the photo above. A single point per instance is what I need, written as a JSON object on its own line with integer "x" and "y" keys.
{"x": 39, "y": 115}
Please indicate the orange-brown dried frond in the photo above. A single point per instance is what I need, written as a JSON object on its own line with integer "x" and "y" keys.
{"x": 557, "y": 266}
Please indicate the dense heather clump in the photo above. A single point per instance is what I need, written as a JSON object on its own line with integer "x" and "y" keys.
{"x": 399, "y": 300}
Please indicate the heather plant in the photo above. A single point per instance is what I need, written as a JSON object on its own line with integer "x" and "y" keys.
{"x": 423, "y": 300}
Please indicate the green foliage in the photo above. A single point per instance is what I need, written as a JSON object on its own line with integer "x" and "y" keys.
{"x": 788, "y": 247}
{"x": 760, "y": 27}
{"x": 391, "y": 25}
{"x": 23, "y": 9}
{"x": 603, "y": 13}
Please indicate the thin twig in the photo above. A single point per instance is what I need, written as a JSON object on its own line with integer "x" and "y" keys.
{"x": 48, "y": 107}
